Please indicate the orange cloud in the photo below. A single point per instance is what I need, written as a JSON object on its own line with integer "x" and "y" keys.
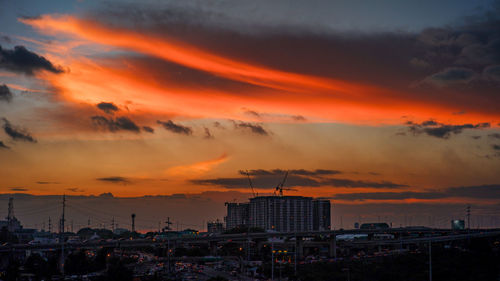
{"x": 324, "y": 99}
{"x": 197, "y": 168}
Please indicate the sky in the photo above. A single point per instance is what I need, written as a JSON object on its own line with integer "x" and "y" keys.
{"x": 390, "y": 110}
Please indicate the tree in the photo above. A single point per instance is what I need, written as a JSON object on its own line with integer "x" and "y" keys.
{"x": 77, "y": 263}
{"x": 117, "y": 271}
{"x": 217, "y": 278}
{"x": 38, "y": 266}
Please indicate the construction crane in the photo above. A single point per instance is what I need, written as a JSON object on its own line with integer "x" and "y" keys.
{"x": 279, "y": 188}
{"x": 255, "y": 194}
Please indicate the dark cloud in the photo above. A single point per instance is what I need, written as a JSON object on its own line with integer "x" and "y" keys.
{"x": 473, "y": 192}
{"x": 494, "y": 135}
{"x": 106, "y": 195}
{"x": 440, "y": 130}
{"x": 122, "y": 180}
{"x": 452, "y": 75}
{"x": 208, "y": 135}
{"x": 47, "y": 182}
{"x": 268, "y": 182}
{"x": 17, "y": 134}
{"x": 107, "y": 107}
{"x": 492, "y": 73}
{"x": 23, "y": 61}
{"x": 495, "y": 146}
{"x": 298, "y": 118}
{"x": 175, "y": 128}
{"x": 388, "y": 196}
{"x": 5, "y": 93}
{"x": 360, "y": 183}
{"x": 479, "y": 192}
{"x": 19, "y": 189}
{"x": 3, "y": 146}
{"x": 148, "y": 129}
{"x": 450, "y": 53}
{"x": 218, "y": 125}
{"x": 254, "y": 128}
{"x": 268, "y": 179}
{"x": 302, "y": 172}
{"x": 75, "y": 189}
{"x": 253, "y": 113}
{"x": 113, "y": 125}
{"x": 265, "y": 182}
{"x": 6, "y": 39}
{"x": 476, "y": 137}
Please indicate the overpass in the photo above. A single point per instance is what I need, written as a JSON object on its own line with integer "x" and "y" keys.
{"x": 405, "y": 236}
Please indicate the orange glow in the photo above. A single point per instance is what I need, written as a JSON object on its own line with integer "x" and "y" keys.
{"x": 197, "y": 168}
{"x": 320, "y": 99}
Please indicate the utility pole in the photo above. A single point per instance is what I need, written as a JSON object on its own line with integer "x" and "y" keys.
{"x": 10, "y": 215}
{"x": 71, "y": 225}
{"x": 133, "y": 222}
{"x": 113, "y": 224}
{"x": 272, "y": 259}
{"x": 468, "y": 217}
{"x": 62, "y": 234}
{"x": 88, "y": 223}
{"x": 50, "y": 225}
{"x": 167, "y": 228}
{"x": 295, "y": 251}
{"x": 63, "y": 212}
{"x": 430, "y": 261}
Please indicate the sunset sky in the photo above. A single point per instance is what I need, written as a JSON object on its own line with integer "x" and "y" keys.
{"x": 390, "y": 110}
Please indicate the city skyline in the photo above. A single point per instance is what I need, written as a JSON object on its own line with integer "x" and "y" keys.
{"x": 388, "y": 111}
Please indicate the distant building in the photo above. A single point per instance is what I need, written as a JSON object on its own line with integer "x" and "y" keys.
{"x": 215, "y": 227}
{"x": 379, "y": 225}
{"x": 457, "y": 224}
{"x": 237, "y": 214}
{"x": 321, "y": 214}
{"x": 11, "y": 223}
{"x": 282, "y": 213}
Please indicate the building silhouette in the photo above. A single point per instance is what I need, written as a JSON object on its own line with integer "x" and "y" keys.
{"x": 237, "y": 215}
{"x": 280, "y": 213}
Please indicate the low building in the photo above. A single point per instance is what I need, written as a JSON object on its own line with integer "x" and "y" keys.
{"x": 215, "y": 227}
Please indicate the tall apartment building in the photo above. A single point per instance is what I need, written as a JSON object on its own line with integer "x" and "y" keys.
{"x": 282, "y": 213}
{"x": 321, "y": 214}
{"x": 237, "y": 214}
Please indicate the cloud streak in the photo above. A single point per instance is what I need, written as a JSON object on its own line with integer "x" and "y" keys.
{"x": 121, "y": 180}
{"x": 266, "y": 82}
{"x": 169, "y": 125}
{"x": 3, "y": 146}
{"x": 471, "y": 192}
{"x": 17, "y": 134}
{"x": 268, "y": 179}
{"x": 114, "y": 125}
{"x": 5, "y": 93}
{"x": 440, "y": 130}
